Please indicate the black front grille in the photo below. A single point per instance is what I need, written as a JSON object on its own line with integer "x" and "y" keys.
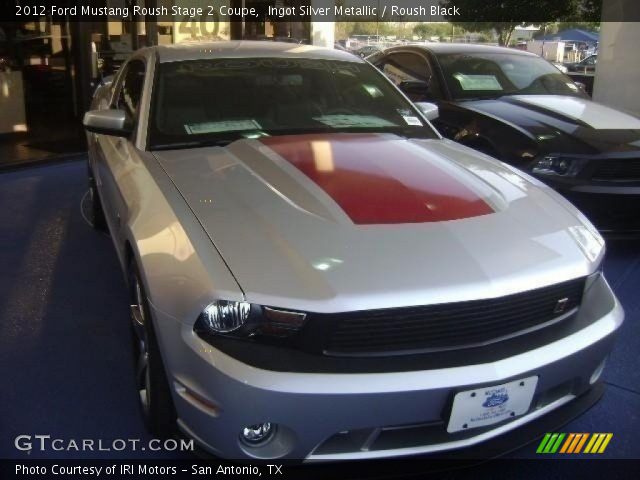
{"x": 451, "y": 325}
{"x": 617, "y": 170}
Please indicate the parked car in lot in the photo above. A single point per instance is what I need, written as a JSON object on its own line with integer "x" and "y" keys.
{"x": 367, "y": 50}
{"x": 316, "y": 274}
{"x": 586, "y": 65}
{"x": 519, "y": 108}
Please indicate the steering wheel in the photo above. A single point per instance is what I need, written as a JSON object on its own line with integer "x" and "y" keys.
{"x": 545, "y": 83}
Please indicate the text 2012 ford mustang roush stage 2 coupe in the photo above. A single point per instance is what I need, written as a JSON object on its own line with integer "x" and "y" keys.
{"x": 316, "y": 274}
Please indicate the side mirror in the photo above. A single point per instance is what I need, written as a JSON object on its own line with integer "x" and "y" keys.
{"x": 429, "y": 110}
{"x": 107, "y": 122}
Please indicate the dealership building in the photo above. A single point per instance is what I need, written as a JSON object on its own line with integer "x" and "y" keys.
{"x": 49, "y": 66}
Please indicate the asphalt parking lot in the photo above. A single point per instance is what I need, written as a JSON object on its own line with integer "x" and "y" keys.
{"x": 64, "y": 340}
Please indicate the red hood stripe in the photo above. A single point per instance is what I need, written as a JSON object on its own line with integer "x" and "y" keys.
{"x": 375, "y": 181}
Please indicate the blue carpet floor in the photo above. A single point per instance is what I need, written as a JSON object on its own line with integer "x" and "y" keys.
{"x": 64, "y": 342}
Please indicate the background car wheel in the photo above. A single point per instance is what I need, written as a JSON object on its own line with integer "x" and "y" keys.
{"x": 151, "y": 380}
{"x": 97, "y": 214}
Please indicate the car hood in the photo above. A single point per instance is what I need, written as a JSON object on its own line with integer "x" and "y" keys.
{"x": 343, "y": 222}
{"x": 564, "y": 124}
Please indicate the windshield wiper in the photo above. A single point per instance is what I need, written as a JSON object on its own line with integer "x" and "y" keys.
{"x": 218, "y": 142}
{"x": 484, "y": 97}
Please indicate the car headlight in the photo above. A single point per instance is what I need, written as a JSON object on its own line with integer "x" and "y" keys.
{"x": 557, "y": 166}
{"x": 247, "y": 320}
{"x": 224, "y": 317}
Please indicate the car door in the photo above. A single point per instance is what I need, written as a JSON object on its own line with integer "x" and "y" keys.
{"x": 117, "y": 153}
{"x": 411, "y": 66}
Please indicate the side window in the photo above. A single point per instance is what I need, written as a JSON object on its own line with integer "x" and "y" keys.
{"x": 405, "y": 66}
{"x": 130, "y": 93}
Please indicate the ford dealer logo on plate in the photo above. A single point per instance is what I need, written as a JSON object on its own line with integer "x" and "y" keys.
{"x": 489, "y": 405}
{"x": 495, "y": 400}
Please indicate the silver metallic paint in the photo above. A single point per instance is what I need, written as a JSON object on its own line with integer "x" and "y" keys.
{"x": 290, "y": 245}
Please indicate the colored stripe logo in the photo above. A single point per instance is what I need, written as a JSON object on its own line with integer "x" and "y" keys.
{"x": 592, "y": 443}
{"x": 377, "y": 179}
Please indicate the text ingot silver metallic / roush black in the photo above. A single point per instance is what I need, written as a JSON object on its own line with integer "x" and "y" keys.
{"x": 316, "y": 274}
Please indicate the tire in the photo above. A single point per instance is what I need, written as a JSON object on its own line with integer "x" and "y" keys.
{"x": 98, "y": 220}
{"x": 152, "y": 387}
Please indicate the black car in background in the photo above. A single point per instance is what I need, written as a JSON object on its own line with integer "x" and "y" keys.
{"x": 586, "y": 65}
{"x": 519, "y": 108}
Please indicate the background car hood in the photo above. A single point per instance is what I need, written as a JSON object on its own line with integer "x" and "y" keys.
{"x": 565, "y": 124}
{"x": 342, "y": 222}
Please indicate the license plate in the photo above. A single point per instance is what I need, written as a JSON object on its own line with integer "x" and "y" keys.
{"x": 488, "y": 405}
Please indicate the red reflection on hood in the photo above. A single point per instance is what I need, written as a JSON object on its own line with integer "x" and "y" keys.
{"x": 377, "y": 181}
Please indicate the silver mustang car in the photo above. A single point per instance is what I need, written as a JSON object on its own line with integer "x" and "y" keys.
{"x": 316, "y": 274}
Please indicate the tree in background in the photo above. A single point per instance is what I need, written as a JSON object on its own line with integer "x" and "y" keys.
{"x": 587, "y": 26}
{"x": 590, "y": 11}
{"x": 425, "y": 31}
{"x": 555, "y": 27}
{"x": 422, "y": 31}
{"x": 481, "y": 15}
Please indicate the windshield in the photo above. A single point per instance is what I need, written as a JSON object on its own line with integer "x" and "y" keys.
{"x": 217, "y": 101}
{"x": 490, "y": 75}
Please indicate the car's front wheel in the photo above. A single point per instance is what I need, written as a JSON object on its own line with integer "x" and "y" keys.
{"x": 152, "y": 386}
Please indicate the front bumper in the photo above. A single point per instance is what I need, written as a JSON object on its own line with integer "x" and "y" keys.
{"x": 325, "y": 416}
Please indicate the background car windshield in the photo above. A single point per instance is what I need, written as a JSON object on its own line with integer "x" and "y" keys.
{"x": 226, "y": 99}
{"x": 473, "y": 75}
